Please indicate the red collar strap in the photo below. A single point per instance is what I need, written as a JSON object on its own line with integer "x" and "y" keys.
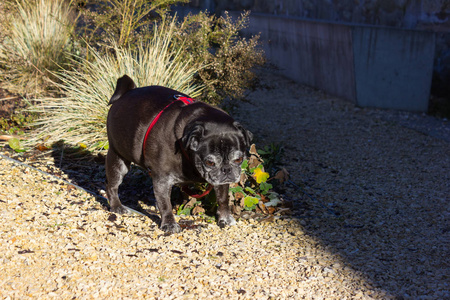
{"x": 186, "y": 101}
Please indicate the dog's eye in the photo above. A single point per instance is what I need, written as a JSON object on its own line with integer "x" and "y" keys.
{"x": 239, "y": 160}
{"x": 210, "y": 163}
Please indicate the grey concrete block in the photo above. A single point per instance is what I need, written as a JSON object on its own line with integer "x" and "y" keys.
{"x": 317, "y": 54}
{"x": 368, "y": 65}
{"x": 393, "y": 67}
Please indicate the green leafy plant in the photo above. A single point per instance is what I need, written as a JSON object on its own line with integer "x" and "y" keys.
{"x": 37, "y": 38}
{"x": 80, "y": 115}
{"x": 253, "y": 190}
{"x": 183, "y": 210}
{"x": 16, "y": 123}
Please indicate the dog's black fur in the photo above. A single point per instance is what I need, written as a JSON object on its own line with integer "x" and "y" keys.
{"x": 214, "y": 146}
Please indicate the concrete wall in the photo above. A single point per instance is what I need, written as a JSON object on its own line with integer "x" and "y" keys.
{"x": 312, "y": 53}
{"x": 393, "y": 67}
{"x": 432, "y": 15}
{"x": 406, "y": 14}
{"x": 370, "y": 66}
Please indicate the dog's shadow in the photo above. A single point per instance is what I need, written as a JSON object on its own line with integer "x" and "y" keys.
{"x": 87, "y": 171}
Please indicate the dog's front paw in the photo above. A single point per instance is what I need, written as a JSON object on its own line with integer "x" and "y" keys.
{"x": 171, "y": 228}
{"x": 227, "y": 220}
{"x": 121, "y": 210}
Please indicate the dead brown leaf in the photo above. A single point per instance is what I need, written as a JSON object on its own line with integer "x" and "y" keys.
{"x": 236, "y": 209}
{"x": 268, "y": 219}
{"x": 270, "y": 209}
{"x": 253, "y": 150}
{"x": 262, "y": 207}
{"x": 42, "y": 147}
{"x": 243, "y": 179}
{"x": 191, "y": 203}
{"x": 238, "y": 195}
{"x": 282, "y": 175}
{"x": 253, "y": 162}
{"x": 198, "y": 210}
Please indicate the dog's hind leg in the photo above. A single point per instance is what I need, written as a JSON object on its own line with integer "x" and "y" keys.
{"x": 116, "y": 169}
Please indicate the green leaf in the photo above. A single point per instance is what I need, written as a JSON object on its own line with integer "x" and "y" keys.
{"x": 265, "y": 187}
{"x": 244, "y": 165}
{"x": 14, "y": 143}
{"x": 273, "y": 202}
{"x": 250, "y": 190}
{"x": 183, "y": 211}
{"x": 262, "y": 152}
{"x": 272, "y": 195}
{"x": 237, "y": 189}
{"x": 101, "y": 145}
{"x": 250, "y": 202}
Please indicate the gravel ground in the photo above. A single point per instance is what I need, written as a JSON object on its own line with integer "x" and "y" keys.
{"x": 59, "y": 242}
{"x": 371, "y": 201}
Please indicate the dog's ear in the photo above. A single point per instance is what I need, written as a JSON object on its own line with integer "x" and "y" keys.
{"x": 124, "y": 84}
{"x": 248, "y": 136}
{"x": 192, "y": 135}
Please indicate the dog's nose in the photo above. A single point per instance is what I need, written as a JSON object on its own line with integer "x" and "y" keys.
{"x": 226, "y": 170}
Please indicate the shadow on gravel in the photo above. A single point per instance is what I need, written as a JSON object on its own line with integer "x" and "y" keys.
{"x": 378, "y": 184}
{"x": 88, "y": 171}
{"x": 382, "y": 206}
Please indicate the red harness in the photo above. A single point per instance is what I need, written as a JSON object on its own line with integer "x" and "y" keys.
{"x": 186, "y": 101}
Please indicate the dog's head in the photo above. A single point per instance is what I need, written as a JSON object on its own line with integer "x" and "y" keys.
{"x": 218, "y": 149}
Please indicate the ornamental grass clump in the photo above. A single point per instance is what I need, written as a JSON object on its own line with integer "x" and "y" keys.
{"x": 79, "y": 117}
{"x": 35, "y": 43}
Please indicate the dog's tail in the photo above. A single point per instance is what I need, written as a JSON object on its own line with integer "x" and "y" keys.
{"x": 124, "y": 84}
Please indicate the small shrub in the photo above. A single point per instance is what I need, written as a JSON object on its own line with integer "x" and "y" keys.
{"x": 80, "y": 116}
{"x": 124, "y": 21}
{"x": 36, "y": 39}
{"x": 226, "y": 58}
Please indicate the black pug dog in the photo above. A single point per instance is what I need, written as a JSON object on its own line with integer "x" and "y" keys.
{"x": 179, "y": 140}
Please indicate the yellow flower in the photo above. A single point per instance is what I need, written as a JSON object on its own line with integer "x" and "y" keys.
{"x": 82, "y": 145}
{"x": 260, "y": 175}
